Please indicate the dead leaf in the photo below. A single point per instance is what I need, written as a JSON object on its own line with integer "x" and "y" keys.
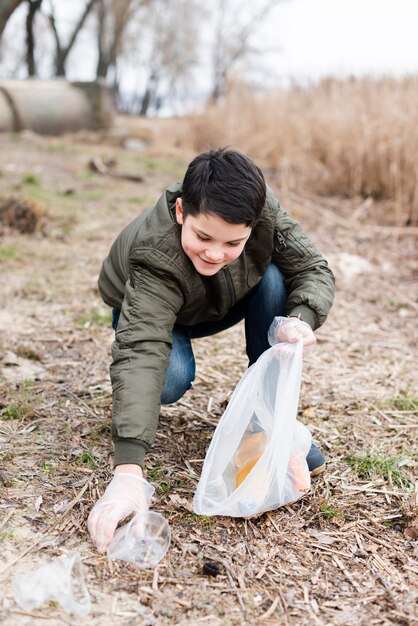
{"x": 322, "y": 537}
{"x": 181, "y": 503}
{"x": 411, "y": 531}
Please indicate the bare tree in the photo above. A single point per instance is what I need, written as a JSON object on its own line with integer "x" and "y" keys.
{"x": 61, "y": 51}
{"x": 33, "y": 8}
{"x": 234, "y": 28}
{"x": 169, "y": 51}
{"x": 6, "y": 9}
{"x": 113, "y": 18}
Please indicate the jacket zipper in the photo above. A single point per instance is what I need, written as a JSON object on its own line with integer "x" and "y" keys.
{"x": 285, "y": 243}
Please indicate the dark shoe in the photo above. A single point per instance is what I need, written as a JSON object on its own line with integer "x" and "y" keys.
{"x": 315, "y": 460}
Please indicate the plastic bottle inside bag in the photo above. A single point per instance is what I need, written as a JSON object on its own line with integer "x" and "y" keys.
{"x": 251, "y": 448}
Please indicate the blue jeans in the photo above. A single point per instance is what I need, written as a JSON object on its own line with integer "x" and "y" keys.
{"x": 266, "y": 301}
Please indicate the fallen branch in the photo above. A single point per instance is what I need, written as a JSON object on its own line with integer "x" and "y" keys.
{"x": 105, "y": 169}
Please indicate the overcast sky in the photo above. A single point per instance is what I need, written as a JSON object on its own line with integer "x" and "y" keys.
{"x": 307, "y": 39}
{"x": 339, "y": 37}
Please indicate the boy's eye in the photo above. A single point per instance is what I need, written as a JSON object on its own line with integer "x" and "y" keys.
{"x": 234, "y": 244}
{"x": 202, "y": 238}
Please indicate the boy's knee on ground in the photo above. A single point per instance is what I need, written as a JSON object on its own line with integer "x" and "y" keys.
{"x": 179, "y": 378}
{"x": 174, "y": 391}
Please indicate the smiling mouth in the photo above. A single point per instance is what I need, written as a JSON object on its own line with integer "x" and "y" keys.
{"x": 211, "y": 262}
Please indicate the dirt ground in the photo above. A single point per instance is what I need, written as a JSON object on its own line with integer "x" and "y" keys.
{"x": 345, "y": 554}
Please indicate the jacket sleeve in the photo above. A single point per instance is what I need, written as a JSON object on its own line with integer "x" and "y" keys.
{"x": 309, "y": 281}
{"x": 141, "y": 353}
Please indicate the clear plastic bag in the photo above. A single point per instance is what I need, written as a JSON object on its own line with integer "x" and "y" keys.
{"x": 62, "y": 580}
{"x": 256, "y": 461}
{"x": 144, "y": 541}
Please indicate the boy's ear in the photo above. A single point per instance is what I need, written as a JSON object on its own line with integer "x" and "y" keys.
{"x": 179, "y": 211}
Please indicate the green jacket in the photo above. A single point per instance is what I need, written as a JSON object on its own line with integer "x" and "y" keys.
{"x": 150, "y": 278}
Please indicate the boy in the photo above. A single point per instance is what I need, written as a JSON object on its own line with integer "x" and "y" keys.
{"x": 213, "y": 251}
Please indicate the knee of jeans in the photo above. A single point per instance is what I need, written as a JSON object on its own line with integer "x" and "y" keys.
{"x": 274, "y": 278}
{"x": 272, "y": 289}
{"x": 179, "y": 379}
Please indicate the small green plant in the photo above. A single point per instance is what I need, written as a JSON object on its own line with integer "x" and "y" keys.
{"x": 6, "y": 535}
{"x": 48, "y": 468}
{"x": 402, "y": 402}
{"x": 21, "y": 402}
{"x": 27, "y": 383}
{"x": 150, "y": 164}
{"x": 92, "y": 195}
{"x": 15, "y": 411}
{"x": 330, "y": 512}
{"x": 26, "y": 352}
{"x": 53, "y": 604}
{"x": 97, "y": 435}
{"x": 87, "y": 458}
{"x": 29, "y": 179}
{"x": 202, "y": 520}
{"x": 405, "y": 403}
{"x": 372, "y": 466}
{"x": 395, "y": 305}
{"x": 154, "y": 475}
{"x": 9, "y": 253}
{"x": 95, "y": 318}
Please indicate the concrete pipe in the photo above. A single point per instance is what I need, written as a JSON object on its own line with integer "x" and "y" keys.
{"x": 53, "y": 107}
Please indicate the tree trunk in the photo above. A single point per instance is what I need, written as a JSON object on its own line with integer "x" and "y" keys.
{"x": 150, "y": 91}
{"x": 61, "y": 53}
{"x": 34, "y": 6}
{"x": 6, "y": 9}
{"x": 103, "y": 60}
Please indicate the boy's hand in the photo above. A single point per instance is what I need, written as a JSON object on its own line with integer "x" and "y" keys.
{"x": 292, "y": 329}
{"x": 127, "y": 493}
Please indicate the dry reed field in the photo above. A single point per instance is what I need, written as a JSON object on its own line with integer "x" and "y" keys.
{"x": 346, "y": 553}
{"x": 354, "y": 139}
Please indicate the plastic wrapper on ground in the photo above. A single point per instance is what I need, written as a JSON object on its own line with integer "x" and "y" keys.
{"x": 61, "y": 580}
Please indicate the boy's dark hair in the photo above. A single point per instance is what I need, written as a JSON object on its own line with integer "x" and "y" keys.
{"x": 226, "y": 183}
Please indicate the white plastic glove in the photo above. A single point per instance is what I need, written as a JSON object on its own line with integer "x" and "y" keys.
{"x": 291, "y": 330}
{"x": 125, "y": 494}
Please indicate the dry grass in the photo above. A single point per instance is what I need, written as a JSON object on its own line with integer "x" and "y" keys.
{"x": 344, "y": 555}
{"x": 354, "y": 138}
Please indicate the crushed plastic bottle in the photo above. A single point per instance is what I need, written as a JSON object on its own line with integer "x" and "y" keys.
{"x": 62, "y": 580}
{"x": 144, "y": 541}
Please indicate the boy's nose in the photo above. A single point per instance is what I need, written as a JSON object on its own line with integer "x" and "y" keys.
{"x": 214, "y": 255}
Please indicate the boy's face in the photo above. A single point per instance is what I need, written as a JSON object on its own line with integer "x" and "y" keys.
{"x": 209, "y": 241}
